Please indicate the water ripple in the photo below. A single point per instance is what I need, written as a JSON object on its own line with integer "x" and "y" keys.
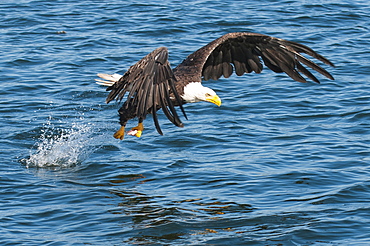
{"x": 280, "y": 163}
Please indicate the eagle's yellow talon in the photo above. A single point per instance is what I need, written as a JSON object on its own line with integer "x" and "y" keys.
{"x": 120, "y": 134}
{"x": 139, "y": 128}
{"x": 138, "y": 134}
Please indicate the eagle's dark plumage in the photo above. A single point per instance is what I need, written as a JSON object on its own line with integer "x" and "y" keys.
{"x": 151, "y": 84}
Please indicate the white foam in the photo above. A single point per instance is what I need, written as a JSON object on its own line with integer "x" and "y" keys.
{"x": 63, "y": 147}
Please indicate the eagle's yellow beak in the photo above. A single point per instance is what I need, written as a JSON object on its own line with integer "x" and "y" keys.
{"x": 214, "y": 99}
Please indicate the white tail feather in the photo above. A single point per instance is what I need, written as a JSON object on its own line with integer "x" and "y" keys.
{"x": 108, "y": 79}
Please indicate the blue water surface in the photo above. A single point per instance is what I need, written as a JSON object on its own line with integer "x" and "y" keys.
{"x": 279, "y": 163}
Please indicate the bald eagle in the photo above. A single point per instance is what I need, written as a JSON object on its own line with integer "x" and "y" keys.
{"x": 151, "y": 84}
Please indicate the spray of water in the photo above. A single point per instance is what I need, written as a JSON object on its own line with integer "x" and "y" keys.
{"x": 63, "y": 148}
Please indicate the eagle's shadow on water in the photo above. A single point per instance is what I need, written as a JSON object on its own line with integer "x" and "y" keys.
{"x": 155, "y": 218}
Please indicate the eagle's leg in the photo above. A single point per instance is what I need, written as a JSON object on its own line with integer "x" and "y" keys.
{"x": 125, "y": 114}
{"x": 137, "y": 130}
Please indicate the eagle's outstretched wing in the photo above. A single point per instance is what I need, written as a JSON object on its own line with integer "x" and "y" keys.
{"x": 241, "y": 52}
{"x": 150, "y": 85}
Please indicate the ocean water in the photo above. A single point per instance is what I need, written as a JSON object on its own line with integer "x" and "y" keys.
{"x": 279, "y": 163}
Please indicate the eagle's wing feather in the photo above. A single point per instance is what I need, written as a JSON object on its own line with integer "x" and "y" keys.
{"x": 150, "y": 87}
{"x": 242, "y": 52}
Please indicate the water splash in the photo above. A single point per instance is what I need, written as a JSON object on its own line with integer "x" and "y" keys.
{"x": 63, "y": 147}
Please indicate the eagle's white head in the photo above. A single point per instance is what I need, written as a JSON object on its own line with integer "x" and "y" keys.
{"x": 196, "y": 92}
